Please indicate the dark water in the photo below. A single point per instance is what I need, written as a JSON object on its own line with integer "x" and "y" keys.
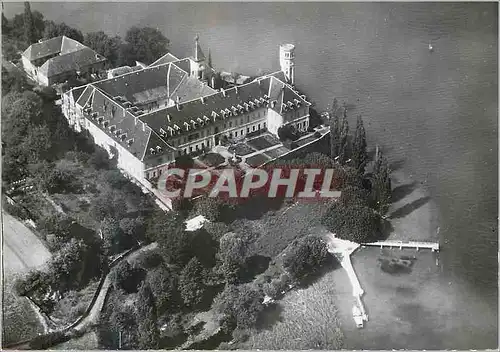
{"x": 434, "y": 113}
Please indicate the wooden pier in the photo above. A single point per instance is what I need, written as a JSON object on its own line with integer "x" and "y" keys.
{"x": 434, "y": 246}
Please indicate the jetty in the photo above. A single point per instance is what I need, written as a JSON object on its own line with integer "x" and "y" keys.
{"x": 434, "y": 246}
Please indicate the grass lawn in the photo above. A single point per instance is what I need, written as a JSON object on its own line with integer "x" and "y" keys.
{"x": 263, "y": 142}
{"x": 212, "y": 159}
{"x": 242, "y": 149}
{"x": 276, "y": 230}
{"x": 85, "y": 342}
{"x": 19, "y": 320}
{"x": 304, "y": 319}
{"x": 257, "y": 160}
{"x": 276, "y": 153}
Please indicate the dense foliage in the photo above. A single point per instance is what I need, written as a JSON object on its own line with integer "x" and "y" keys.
{"x": 305, "y": 256}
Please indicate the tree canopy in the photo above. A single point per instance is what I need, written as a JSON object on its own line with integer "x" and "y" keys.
{"x": 145, "y": 44}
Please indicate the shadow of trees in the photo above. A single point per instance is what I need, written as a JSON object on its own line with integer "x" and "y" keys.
{"x": 402, "y": 191}
{"x": 409, "y": 208}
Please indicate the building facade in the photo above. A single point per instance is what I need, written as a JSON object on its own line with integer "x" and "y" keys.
{"x": 151, "y": 116}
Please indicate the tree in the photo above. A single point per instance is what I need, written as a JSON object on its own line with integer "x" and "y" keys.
{"x": 352, "y": 195}
{"x": 53, "y": 30}
{"x": 5, "y": 26}
{"x": 38, "y": 143}
{"x": 29, "y": 26}
{"x": 191, "y": 283}
{"x": 134, "y": 228}
{"x": 145, "y": 44}
{"x": 109, "y": 47}
{"x": 287, "y": 132}
{"x": 163, "y": 283}
{"x": 112, "y": 236}
{"x": 355, "y": 223}
{"x": 232, "y": 255}
{"x": 216, "y": 229}
{"x": 344, "y": 133}
{"x": 305, "y": 257}
{"x": 209, "y": 207}
{"x": 381, "y": 190}
{"x": 209, "y": 59}
{"x": 240, "y": 304}
{"x": 109, "y": 203}
{"x": 147, "y": 319}
{"x": 334, "y": 130}
{"x": 125, "y": 277}
{"x": 67, "y": 268}
{"x": 359, "y": 154}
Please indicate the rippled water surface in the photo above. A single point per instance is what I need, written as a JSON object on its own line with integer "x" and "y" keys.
{"x": 434, "y": 113}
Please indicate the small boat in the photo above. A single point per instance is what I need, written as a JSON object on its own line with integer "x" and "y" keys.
{"x": 358, "y": 317}
{"x": 431, "y": 48}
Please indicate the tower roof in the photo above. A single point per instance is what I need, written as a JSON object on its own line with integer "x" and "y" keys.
{"x": 198, "y": 53}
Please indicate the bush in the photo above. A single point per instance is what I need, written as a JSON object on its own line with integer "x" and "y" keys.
{"x": 355, "y": 223}
{"x": 305, "y": 257}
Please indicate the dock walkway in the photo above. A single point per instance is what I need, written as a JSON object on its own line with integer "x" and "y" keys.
{"x": 434, "y": 246}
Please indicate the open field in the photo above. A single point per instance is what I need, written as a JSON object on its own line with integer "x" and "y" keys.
{"x": 22, "y": 251}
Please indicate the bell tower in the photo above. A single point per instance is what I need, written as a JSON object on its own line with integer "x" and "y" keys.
{"x": 198, "y": 61}
{"x": 287, "y": 62}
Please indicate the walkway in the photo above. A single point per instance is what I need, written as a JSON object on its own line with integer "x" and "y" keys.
{"x": 434, "y": 246}
{"x": 342, "y": 250}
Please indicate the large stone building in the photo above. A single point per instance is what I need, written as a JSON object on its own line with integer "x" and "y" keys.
{"x": 151, "y": 116}
{"x": 60, "y": 59}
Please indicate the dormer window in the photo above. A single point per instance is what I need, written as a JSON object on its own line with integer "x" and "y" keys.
{"x": 94, "y": 115}
{"x": 105, "y": 123}
{"x": 130, "y": 141}
{"x": 112, "y": 128}
{"x": 158, "y": 149}
{"x": 152, "y": 150}
{"x": 186, "y": 125}
{"x": 162, "y": 132}
{"x": 123, "y": 137}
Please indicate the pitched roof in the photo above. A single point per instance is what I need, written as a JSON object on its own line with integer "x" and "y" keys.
{"x": 53, "y": 46}
{"x": 274, "y": 89}
{"x": 124, "y": 128}
{"x": 191, "y": 88}
{"x": 165, "y": 59}
{"x": 75, "y": 60}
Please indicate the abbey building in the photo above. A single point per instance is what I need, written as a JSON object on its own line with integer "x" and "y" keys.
{"x": 149, "y": 116}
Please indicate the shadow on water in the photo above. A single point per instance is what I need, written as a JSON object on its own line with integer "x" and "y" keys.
{"x": 402, "y": 191}
{"x": 396, "y": 165}
{"x": 409, "y": 208}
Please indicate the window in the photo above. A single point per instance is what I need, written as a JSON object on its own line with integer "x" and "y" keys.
{"x": 248, "y": 129}
{"x": 241, "y": 121}
{"x": 190, "y": 149}
{"x": 241, "y": 132}
{"x": 258, "y": 127}
{"x": 230, "y": 124}
{"x": 159, "y": 172}
{"x": 248, "y": 118}
{"x": 236, "y": 133}
{"x": 253, "y": 128}
{"x": 264, "y": 125}
{"x": 230, "y": 135}
{"x": 185, "y": 151}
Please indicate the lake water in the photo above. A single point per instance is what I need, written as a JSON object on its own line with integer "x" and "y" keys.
{"x": 435, "y": 114}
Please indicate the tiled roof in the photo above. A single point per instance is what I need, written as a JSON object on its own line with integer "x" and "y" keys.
{"x": 63, "y": 45}
{"x": 84, "y": 97}
{"x": 77, "y": 92}
{"x": 184, "y": 65}
{"x": 45, "y": 48}
{"x": 123, "y": 127}
{"x": 191, "y": 88}
{"x": 237, "y": 97}
{"x": 75, "y": 60}
{"x": 144, "y": 84}
{"x": 165, "y": 59}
